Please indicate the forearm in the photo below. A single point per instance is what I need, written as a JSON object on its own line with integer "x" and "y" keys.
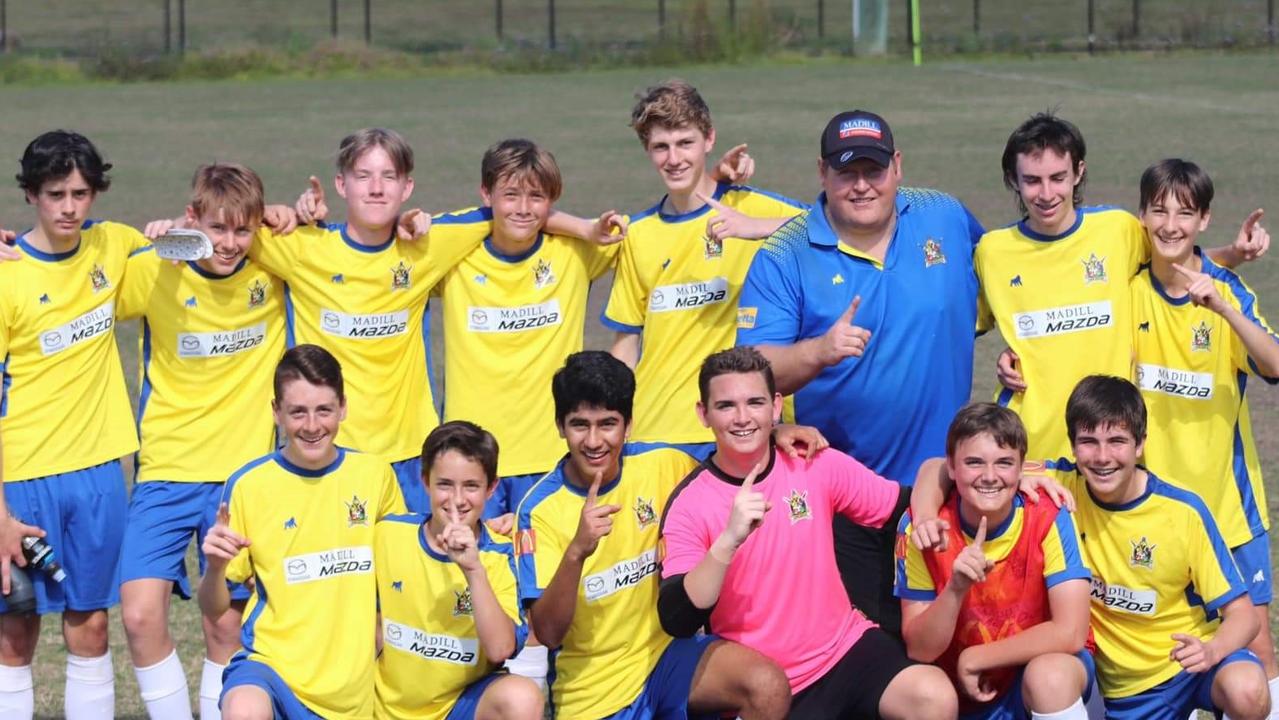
{"x": 626, "y": 347}
{"x": 704, "y": 582}
{"x": 1016, "y": 650}
{"x": 552, "y": 614}
{"x": 213, "y": 596}
{"x": 932, "y": 484}
{"x": 928, "y": 634}
{"x": 760, "y": 228}
{"x": 794, "y": 366}
{"x": 566, "y": 225}
{"x": 1261, "y": 346}
{"x": 1226, "y": 256}
{"x": 1238, "y": 627}
{"x": 496, "y": 631}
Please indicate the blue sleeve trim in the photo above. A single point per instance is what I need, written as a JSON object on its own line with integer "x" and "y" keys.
{"x": 1067, "y": 535}
{"x": 235, "y": 476}
{"x": 1225, "y": 561}
{"x": 1005, "y": 397}
{"x": 461, "y": 217}
{"x": 910, "y": 594}
{"x": 1234, "y": 593}
{"x": 1081, "y": 573}
{"x": 144, "y": 248}
{"x": 801, "y": 206}
{"x": 904, "y": 522}
{"x": 612, "y": 324}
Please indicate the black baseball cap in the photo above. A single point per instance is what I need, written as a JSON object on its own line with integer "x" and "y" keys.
{"x": 854, "y": 135}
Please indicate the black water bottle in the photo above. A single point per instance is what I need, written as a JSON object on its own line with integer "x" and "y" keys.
{"x": 22, "y": 594}
{"x": 40, "y": 556}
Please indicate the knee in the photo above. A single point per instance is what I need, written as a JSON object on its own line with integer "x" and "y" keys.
{"x": 1053, "y": 682}
{"x": 85, "y": 632}
{"x": 245, "y": 706}
{"x": 19, "y": 635}
{"x": 142, "y": 619}
{"x": 517, "y": 698}
{"x": 1242, "y": 694}
{"x": 920, "y": 692}
{"x": 767, "y": 691}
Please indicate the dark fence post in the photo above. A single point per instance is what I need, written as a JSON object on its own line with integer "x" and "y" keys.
{"x": 910, "y": 21}
{"x": 1092, "y": 26}
{"x": 168, "y": 26}
{"x": 4, "y": 26}
{"x": 1136, "y": 18}
{"x": 661, "y": 19}
{"x": 497, "y": 19}
{"x": 368, "y": 22}
{"x": 550, "y": 21}
{"x": 977, "y": 17}
{"x": 1270, "y": 21}
{"x": 182, "y": 27}
{"x": 821, "y": 19}
{"x": 333, "y": 19}
{"x": 732, "y": 15}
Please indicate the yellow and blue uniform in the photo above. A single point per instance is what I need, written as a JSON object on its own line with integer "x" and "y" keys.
{"x": 65, "y": 419}
{"x": 678, "y": 290}
{"x": 308, "y": 627}
{"x": 615, "y": 641}
{"x": 1160, "y": 566}
{"x": 368, "y": 306}
{"x": 208, "y": 347}
{"x": 1062, "y": 305}
{"x": 432, "y": 661}
{"x": 509, "y": 322}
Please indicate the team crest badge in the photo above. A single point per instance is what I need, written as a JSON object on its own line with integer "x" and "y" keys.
{"x": 1094, "y": 269}
{"x": 933, "y": 254}
{"x": 1201, "y": 338}
{"x": 462, "y": 606}
{"x": 400, "y": 276}
{"x": 644, "y": 512}
{"x": 714, "y": 248}
{"x": 797, "y": 503}
{"x": 542, "y": 275}
{"x": 356, "y": 511}
{"x": 99, "y": 279}
{"x": 1143, "y": 554}
{"x": 257, "y": 294}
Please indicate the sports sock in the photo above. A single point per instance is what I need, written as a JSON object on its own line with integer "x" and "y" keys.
{"x": 1274, "y": 698}
{"x": 530, "y": 663}
{"x": 164, "y": 689}
{"x": 17, "y": 694}
{"x": 90, "y": 691}
{"x": 210, "y": 690}
{"x": 1074, "y": 712}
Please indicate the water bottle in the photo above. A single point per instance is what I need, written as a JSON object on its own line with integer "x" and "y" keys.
{"x": 40, "y": 556}
{"x": 22, "y": 594}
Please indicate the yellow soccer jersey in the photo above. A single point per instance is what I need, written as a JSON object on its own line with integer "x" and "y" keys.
{"x": 1192, "y": 370}
{"x": 679, "y": 290}
{"x": 208, "y": 349}
{"x": 430, "y": 649}
{"x": 367, "y": 306}
{"x": 63, "y": 402}
{"x": 314, "y": 606}
{"x": 1062, "y": 305}
{"x": 1160, "y": 566}
{"x": 509, "y": 322}
{"x": 616, "y": 638}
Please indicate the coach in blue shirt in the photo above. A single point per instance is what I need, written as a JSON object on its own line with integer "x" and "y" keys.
{"x": 866, "y": 306}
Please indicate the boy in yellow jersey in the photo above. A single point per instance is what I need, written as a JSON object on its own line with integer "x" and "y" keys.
{"x": 680, "y": 273}
{"x": 212, "y": 331}
{"x": 1056, "y": 282}
{"x": 588, "y": 558}
{"x": 300, "y": 524}
{"x": 447, "y": 593}
{"x": 1198, "y": 333}
{"x": 64, "y": 420}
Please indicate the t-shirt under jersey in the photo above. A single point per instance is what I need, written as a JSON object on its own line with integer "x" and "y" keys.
{"x": 616, "y": 638}
{"x": 368, "y": 306}
{"x": 509, "y": 323}
{"x": 1193, "y": 369}
{"x": 1159, "y": 566}
{"x": 678, "y": 289}
{"x": 313, "y": 610}
{"x": 63, "y": 403}
{"x": 792, "y": 551}
{"x": 208, "y": 348}
{"x": 430, "y": 647}
{"x": 1062, "y": 304}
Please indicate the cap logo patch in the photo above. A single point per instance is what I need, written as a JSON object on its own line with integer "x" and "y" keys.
{"x": 847, "y": 154}
{"x": 860, "y": 127}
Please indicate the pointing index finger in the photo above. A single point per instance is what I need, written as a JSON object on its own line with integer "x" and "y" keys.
{"x": 749, "y": 482}
{"x": 594, "y": 490}
{"x": 709, "y": 200}
{"x": 224, "y": 514}
{"x": 980, "y": 538}
{"x": 1253, "y": 218}
{"x": 851, "y": 312}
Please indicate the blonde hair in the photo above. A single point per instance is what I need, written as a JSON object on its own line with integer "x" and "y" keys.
{"x": 231, "y": 188}
{"x": 353, "y": 147}
{"x": 673, "y": 104}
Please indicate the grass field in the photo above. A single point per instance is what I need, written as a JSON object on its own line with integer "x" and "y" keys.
{"x": 950, "y": 121}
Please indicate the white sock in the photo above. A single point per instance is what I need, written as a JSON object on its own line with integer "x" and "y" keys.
{"x": 1074, "y": 712}
{"x": 17, "y": 696}
{"x": 530, "y": 663}
{"x": 1274, "y": 698}
{"x": 90, "y": 693}
{"x": 164, "y": 689}
{"x": 210, "y": 690}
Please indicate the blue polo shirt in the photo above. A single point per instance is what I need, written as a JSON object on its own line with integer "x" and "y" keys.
{"x": 891, "y": 407}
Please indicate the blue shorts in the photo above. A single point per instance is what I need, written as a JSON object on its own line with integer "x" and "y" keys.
{"x": 1253, "y": 560}
{"x": 469, "y": 700}
{"x": 163, "y": 516}
{"x": 242, "y": 671}
{"x": 1012, "y": 706}
{"x": 1174, "y": 698}
{"x": 83, "y": 514}
{"x": 665, "y": 694}
{"x": 510, "y": 491}
{"x": 408, "y": 473}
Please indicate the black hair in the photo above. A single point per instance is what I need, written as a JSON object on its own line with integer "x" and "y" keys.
{"x": 593, "y": 379}
{"x": 55, "y": 154}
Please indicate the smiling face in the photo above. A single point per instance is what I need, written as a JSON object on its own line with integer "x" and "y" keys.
{"x": 1107, "y": 458}
{"x": 861, "y": 197}
{"x": 62, "y": 205}
{"x": 679, "y": 154}
{"x": 741, "y": 413}
{"x": 520, "y": 208}
{"x": 457, "y": 484}
{"x": 231, "y": 239}
{"x": 595, "y": 439}
{"x": 1173, "y": 226}
{"x": 986, "y": 477}
{"x": 1046, "y": 181}
{"x": 374, "y": 189}
{"x": 309, "y": 416}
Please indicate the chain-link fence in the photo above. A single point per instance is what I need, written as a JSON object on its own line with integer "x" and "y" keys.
{"x": 78, "y": 28}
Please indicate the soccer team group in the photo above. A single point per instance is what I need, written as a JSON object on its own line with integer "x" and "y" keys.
{"x": 889, "y": 550}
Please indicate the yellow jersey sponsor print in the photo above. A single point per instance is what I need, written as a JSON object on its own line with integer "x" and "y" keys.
{"x": 368, "y": 306}
{"x": 63, "y": 402}
{"x": 1193, "y": 371}
{"x": 314, "y": 605}
{"x": 208, "y": 349}
{"x": 678, "y": 289}
{"x": 509, "y": 322}
{"x": 616, "y": 638}
{"x": 430, "y": 647}
{"x": 1062, "y": 305}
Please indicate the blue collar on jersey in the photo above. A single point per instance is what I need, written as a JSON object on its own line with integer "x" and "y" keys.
{"x": 1024, "y": 226}
{"x": 45, "y": 256}
{"x": 304, "y": 472}
{"x": 518, "y": 257}
{"x": 720, "y": 189}
{"x": 1151, "y": 482}
{"x": 211, "y": 276}
{"x": 346, "y": 238}
{"x": 1163, "y": 292}
{"x": 992, "y": 533}
{"x": 821, "y": 233}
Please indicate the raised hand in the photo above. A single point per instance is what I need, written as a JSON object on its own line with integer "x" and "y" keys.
{"x": 736, "y": 166}
{"x": 1007, "y": 373}
{"x": 221, "y": 544}
{"x": 748, "y": 511}
{"x": 413, "y": 224}
{"x": 799, "y": 440}
{"x": 609, "y": 228}
{"x": 930, "y": 534}
{"x": 844, "y": 339}
{"x": 310, "y": 206}
{"x": 1194, "y": 654}
{"x": 281, "y": 219}
{"x": 1202, "y": 289}
{"x": 596, "y": 521}
{"x": 502, "y": 524}
{"x": 971, "y": 565}
{"x": 729, "y": 223}
{"x": 9, "y": 250}
{"x": 1253, "y": 240}
{"x": 458, "y": 541}
{"x": 156, "y": 228}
